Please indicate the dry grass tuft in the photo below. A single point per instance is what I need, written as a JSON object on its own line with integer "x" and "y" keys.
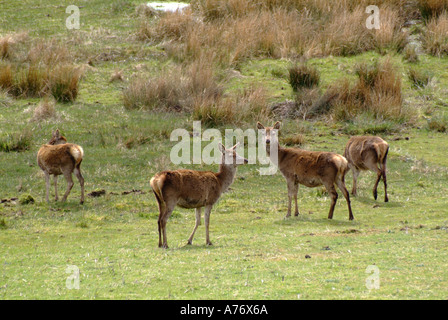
{"x": 180, "y": 88}
{"x": 430, "y": 9}
{"x": 303, "y": 76}
{"x": 233, "y": 31}
{"x": 435, "y": 38}
{"x": 46, "y": 109}
{"x": 376, "y": 92}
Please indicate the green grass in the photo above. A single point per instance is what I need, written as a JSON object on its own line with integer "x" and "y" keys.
{"x": 256, "y": 253}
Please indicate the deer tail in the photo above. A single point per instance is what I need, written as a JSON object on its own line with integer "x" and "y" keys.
{"x": 77, "y": 153}
{"x": 157, "y": 185}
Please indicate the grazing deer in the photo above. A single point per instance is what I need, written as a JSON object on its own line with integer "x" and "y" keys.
{"x": 309, "y": 168}
{"x": 368, "y": 153}
{"x": 59, "y": 157}
{"x": 193, "y": 189}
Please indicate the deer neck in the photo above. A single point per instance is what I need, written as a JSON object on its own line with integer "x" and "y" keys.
{"x": 281, "y": 153}
{"x": 226, "y": 175}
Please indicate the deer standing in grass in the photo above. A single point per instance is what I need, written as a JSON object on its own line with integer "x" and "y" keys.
{"x": 309, "y": 168}
{"x": 368, "y": 153}
{"x": 59, "y": 157}
{"x": 193, "y": 189}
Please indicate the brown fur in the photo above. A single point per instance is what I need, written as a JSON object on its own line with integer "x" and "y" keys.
{"x": 311, "y": 169}
{"x": 368, "y": 153}
{"x": 192, "y": 189}
{"x": 58, "y": 157}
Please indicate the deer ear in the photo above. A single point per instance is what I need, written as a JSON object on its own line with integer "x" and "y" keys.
{"x": 277, "y": 125}
{"x": 221, "y": 148}
{"x": 235, "y": 146}
{"x": 56, "y": 133}
{"x": 260, "y": 126}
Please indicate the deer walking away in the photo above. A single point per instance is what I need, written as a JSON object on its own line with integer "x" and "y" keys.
{"x": 61, "y": 158}
{"x": 368, "y": 153}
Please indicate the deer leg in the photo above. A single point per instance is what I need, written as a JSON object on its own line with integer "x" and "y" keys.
{"x": 198, "y": 222}
{"x": 296, "y": 185}
{"x": 386, "y": 198}
{"x": 47, "y": 186}
{"x": 55, "y": 182}
{"x": 355, "y": 179}
{"x": 81, "y": 182}
{"x": 292, "y": 192}
{"x": 374, "y": 167}
{"x": 208, "y": 210}
{"x": 383, "y": 173}
{"x": 341, "y": 186}
{"x": 334, "y": 197}
{"x": 68, "y": 177}
{"x": 163, "y": 218}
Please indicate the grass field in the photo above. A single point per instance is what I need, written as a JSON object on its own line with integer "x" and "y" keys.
{"x": 256, "y": 253}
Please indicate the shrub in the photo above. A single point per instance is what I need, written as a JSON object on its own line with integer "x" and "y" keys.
{"x": 303, "y": 76}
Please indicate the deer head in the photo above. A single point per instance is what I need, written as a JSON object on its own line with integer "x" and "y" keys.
{"x": 57, "y": 138}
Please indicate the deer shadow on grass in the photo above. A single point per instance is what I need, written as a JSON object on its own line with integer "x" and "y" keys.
{"x": 368, "y": 200}
{"x": 318, "y": 219}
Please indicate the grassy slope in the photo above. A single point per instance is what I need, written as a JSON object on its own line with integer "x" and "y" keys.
{"x": 256, "y": 253}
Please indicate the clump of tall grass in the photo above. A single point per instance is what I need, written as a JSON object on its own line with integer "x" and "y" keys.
{"x": 5, "y": 99}
{"x": 303, "y": 76}
{"x": 432, "y": 8}
{"x": 410, "y": 54}
{"x": 419, "y": 79}
{"x": 376, "y": 92}
{"x": 231, "y": 32}
{"x": 16, "y": 142}
{"x": 62, "y": 81}
{"x": 176, "y": 89}
{"x": 435, "y": 37}
{"x": 240, "y": 107}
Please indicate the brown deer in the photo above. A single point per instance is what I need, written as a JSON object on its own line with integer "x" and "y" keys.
{"x": 193, "y": 189}
{"x": 368, "y": 153}
{"x": 309, "y": 168}
{"x": 59, "y": 157}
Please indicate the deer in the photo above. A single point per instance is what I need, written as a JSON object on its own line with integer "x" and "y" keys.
{"x": 58, "y": 157}
{"x": 194, "y": 189}
{"x": 309, "y": 168}
{"x": 368, "y": 153}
